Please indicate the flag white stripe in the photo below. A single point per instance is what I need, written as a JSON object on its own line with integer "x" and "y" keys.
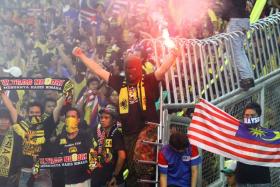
{"x": 236, "y": 150}
{"x": 228, "y": 155}
{"x": 205, "y": 122}
{"x": 233, "y": 127}
{"x": 222, "y": 140}
{"x": 218, "y": 111}
{"x": 218, "y": 119}
{"x": 85, "y": 13}
{"x": 240, "y": 143}
{"x": 222, "y": 113}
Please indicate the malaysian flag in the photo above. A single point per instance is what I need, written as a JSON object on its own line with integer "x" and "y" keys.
{"x": 88, "y": 15}
{"x": 216, "y": 131}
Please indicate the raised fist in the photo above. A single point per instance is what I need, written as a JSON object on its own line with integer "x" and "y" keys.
{"x": 77, "y": 52}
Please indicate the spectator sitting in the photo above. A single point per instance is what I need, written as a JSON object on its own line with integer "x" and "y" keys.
{"x": 178, "y": 162}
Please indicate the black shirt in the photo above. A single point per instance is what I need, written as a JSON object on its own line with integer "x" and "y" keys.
{"x": 134, "y": 121}
{"x": 102, "y": 175}
{"x": 29, "y": 150}
{"x": 79, "y": 145}
{"x": 251, "y": 174}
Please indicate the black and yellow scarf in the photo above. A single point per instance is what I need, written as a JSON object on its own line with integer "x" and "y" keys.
{"x": 124, "y": 100}
{"x": 6, "y": 152}
{"x": 32, "y": 139}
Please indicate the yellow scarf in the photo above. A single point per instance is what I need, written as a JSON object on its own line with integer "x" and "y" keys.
{"x": 6, "y": 152}
{"x": 124, "y": 101}
{"x": 32, "y": 139}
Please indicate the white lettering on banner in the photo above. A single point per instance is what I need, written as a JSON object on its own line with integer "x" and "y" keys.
{"x": 37, "y": 87}
{"x": 80, "y": 163}
{"x": 53, "y": 87}
{"x": 67, "y": 164}
{"x": 65, "y": 161}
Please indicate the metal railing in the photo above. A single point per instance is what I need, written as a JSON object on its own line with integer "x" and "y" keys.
{"x": 206, "y": 69}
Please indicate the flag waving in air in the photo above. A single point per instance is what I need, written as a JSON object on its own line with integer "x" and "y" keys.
{"x": 218, "y": 132}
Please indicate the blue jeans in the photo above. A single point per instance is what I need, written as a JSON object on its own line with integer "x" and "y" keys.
{"x": 12, "y": 181}
{"x": 42, "y": 180}
{"x": 241, "y": 61}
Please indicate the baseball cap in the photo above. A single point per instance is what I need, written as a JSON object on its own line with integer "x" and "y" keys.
{"x": 14, "y": 71}
{"x": 230, "y": 166}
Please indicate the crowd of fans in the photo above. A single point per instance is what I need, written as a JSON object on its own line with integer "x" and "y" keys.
{"x": 38, "y": 36}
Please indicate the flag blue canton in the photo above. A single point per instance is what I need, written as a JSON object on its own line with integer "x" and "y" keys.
{"x": 256, "y": 133}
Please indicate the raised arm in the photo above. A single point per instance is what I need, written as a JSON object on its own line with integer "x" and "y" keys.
{"x": 91, "y": 64}
{"x": 164, "y": 67}
{"x": 8, "y": 103}
{"x": 57, "y": 110}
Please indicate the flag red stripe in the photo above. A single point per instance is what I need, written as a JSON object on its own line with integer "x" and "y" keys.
{"x": 220, "y": 125}
{"x": 219, "y": 138}
{"x": 218, "y": 110}
{"x": 231, "y": 152}
{"x": 219, "y": 115}
{"x": 233, "y": 137}
{"x": 242, "y": 148}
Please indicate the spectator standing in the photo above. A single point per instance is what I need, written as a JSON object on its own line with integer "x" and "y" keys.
{"x": 252, "y": 175}
{"x": 238, "y": 16}
{"x": 137, "y": 95}
{"x": 10, "y": 146}
{"x": 109, "y": 150}
{"x": 71, "y": 144}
